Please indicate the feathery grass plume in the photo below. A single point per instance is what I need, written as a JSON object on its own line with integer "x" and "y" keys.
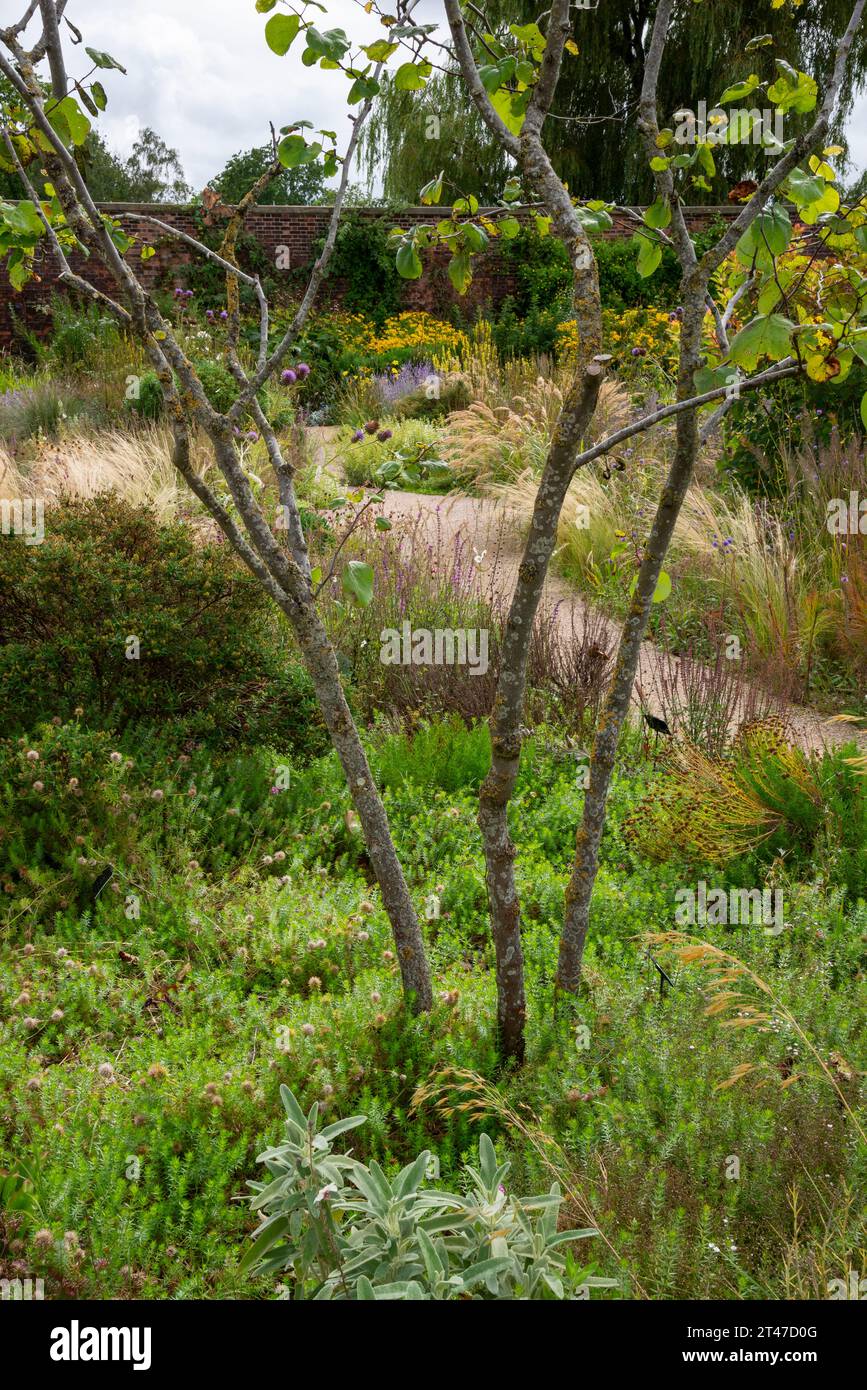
{"x": 137, "y": 466}
{"x": 458, "y": 1090}
{"x": 730, "y": 986}
{"x": 487, "y": 445}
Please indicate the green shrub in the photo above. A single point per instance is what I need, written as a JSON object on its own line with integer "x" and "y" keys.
{"x": 544, "y": 274}
{"x": 454, "y": 394}
{"x": 413, "y": 445}
{"x": 150, "y": 401}
{"x": 214, "y": 654}
{"x": 219, "y": 385}
{"x": 363, "y": 264}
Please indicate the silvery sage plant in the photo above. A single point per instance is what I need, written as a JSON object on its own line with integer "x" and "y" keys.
{"x": 339, "y": 1229}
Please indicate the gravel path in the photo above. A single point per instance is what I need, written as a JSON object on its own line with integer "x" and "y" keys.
{"x": 492, "y": 527}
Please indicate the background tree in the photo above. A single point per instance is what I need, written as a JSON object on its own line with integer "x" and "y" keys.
{"x": 591, "y": 130}
{"x": 304, "y": 185}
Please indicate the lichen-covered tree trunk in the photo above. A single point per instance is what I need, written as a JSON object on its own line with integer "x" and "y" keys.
{"x": 499, "y": 785}
{"x": 615, "y": 709}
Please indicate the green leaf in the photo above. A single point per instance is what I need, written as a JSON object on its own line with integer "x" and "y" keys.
{"x": 87, "y": 101}
{"x": 281, "y": 32}
{"x": 502, "y": 104}
{"x": 649, "y": 256}
{"x": 411, "y": 77}
{"x": 460, "y": 273}
{"x": 292, "y": 1108}
{"x": 382, "y": 523}
{"x": 379, "y": 51}
{"x": 68, "y": 113}
{"x": 361, "y": 89}
{"x": 409, "y": 265}
{"x": 270, "y": 1233}
{"x": 24, "y": 220}
{"x": 767, "y": 335}
{"x": 19, "y": 268}
{"x": 97, "y": 91}
{"x": 294, "y": 151}
{"x": 662, "y": 590}
{"x": 804, "y": 188}
{"x": 658, "y": 215}
{"x": 766, "y": 237}
{"x": 331, "y": 44}
{"x": 104, "y": 60}
{"x": 433, "y": 191}
{"x": 800, "y": 97}
{"x": 341, "y": 1126}
{"x": 864, "y": 410}
{"x": 740, "y": 89}
{"x": 512, "y": 190}
{"x": 475, "y": 238}
{"x": 509, "y": 227}
{"x": 490, "y": 75}
{"x": 358, "y": 582}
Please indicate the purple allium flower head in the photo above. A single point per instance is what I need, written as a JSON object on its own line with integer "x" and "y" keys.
{"x": 302, "y": 369}
{"x": 357, "y": 436}
{"x": 384, "y": 436}
{"x": 288, "y": 377}
{"x": 224, "y": 314}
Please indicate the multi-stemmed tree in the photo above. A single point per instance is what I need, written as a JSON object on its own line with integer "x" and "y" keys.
{"x": 511, "y": 76}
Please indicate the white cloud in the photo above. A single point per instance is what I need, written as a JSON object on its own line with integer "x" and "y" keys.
{"x": 200, "y": 73}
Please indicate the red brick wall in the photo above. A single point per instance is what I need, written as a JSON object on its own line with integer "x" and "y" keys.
{"x": 296, "y": 228}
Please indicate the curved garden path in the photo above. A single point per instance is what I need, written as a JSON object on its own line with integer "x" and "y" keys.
{"x": 490, "y": 526}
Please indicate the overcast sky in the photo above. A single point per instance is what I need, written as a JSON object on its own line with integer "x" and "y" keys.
{"x": 200, "y": 73}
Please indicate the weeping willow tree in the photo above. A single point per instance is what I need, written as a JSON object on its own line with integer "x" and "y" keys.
{"x": 408, "y": 142}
